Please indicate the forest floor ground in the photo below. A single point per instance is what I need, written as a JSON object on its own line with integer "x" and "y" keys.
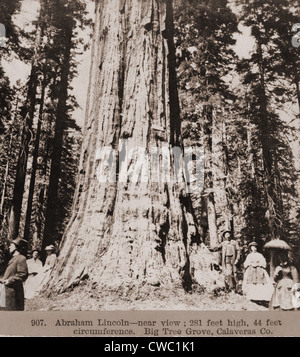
{"x": 81, "y": 299}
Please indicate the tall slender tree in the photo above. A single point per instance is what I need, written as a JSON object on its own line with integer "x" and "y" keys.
{"x": 66, "y": 17}
{"x": 273, "y": 186}
{"x": 27, "y": 114}
{"x": 35, "y": 156}
{"x": 50, "y": 219}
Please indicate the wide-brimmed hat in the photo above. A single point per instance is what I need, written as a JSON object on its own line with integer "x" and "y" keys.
{"x": 21, "y": 245}
{"x": 20, "y": 242}
{"x": 252, "y": 244}
{"x": 223, "y": 234}
{"x": 50, "y": 247}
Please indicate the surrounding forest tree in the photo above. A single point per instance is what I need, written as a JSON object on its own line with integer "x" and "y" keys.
{"x": 47, "y": 103}
{"x": 65, "y": 14}
{"x": 27, "y": 114}
{"x": 205, "y": 58}
{"x": 274, "y": 177}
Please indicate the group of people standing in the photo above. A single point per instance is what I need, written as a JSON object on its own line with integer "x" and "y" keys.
{"x": 23, "y": 277}
{"x": 37, "y": 272}
{"x": 281, "y": 292}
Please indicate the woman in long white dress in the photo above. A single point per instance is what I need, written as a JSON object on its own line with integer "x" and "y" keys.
{"x": 257, "y": 285}
{"x": 34, "y": 267}
{"x": 41, "y": 278}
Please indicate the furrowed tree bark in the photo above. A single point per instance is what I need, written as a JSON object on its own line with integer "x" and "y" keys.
{"x": 128, "y": 233}
{"x": 38, "y": 204}
{"x": 208, "y": 176}
{"x": 297, "y": 81}
{"x": 266, "y": 150}
{"x": 3, "y": 212}
{"x": 220, "y": 174}
{"x": 5, "y": 179}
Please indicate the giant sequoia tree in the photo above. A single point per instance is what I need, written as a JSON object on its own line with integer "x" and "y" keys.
{"x": 130, "y": 231}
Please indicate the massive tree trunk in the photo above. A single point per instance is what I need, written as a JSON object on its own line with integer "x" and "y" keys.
{"x": 129, "y": 232}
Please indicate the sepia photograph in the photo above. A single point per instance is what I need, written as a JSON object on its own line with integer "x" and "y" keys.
{"x": 149, "y": 167}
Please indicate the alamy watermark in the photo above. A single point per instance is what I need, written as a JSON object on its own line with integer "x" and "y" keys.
{"x": 3, "y": 38}
{"x": 296, "y": 37}
{"x": 152, "y": 165}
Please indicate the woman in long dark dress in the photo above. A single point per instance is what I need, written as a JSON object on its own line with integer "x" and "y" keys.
{"x": 286, "y": 277}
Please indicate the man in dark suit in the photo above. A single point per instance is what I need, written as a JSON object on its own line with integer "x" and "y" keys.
{"x": 15, "y": 274}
